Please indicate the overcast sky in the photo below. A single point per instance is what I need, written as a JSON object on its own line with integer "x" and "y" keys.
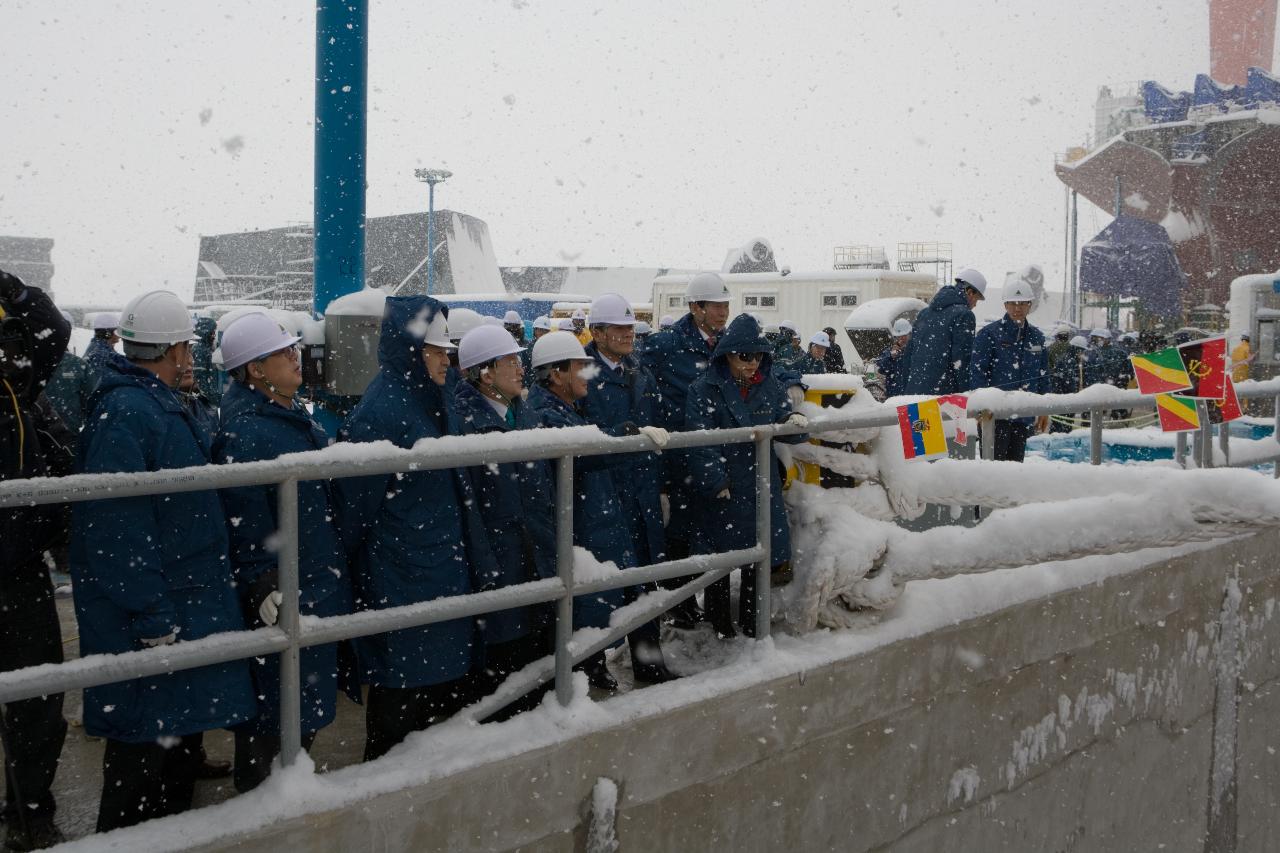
{"x": 642, "y": 134}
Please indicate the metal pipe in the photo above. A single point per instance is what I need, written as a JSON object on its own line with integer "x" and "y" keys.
{"x": 1206, "y": 435}
{"x": 987, "y": 437}
{"x": 1180, "y": 449}
{"x": 764, "y": 535}
{"x": 1095, "y": 436}
{"x": 431, "y": 216}
{"x": 564, "y": 568}
{"x": 287, "y": 578}
{"x": 1224, "y": 442}
{"x": 1075, "y": 258}
{"x": 1275, "y": 435}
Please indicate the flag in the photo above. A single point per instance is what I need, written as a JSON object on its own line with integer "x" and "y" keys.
{"x": 955, "y": 406}
{"x": 1226, "y": 409}
{"x": 1206, "y": 362}
{"x": 1177, "y": 414}
{"x": 1160, "y": 372}
{"x": 921, "y": 427}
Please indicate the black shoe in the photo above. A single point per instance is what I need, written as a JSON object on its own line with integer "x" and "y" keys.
{"x": 598, "y": 675}
{"x": 37, "y": 834}
{"x": 725, "y": 630}
{"x": 652, "y": 673}
{"x": 213, "y": 769}
{"x": 687, "y": 614}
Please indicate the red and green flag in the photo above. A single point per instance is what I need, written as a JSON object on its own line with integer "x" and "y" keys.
{"x": 1177, "y": 414}
{"x": 1160, "y": 372}
{"x": 1206, "y": 362}
{"x": 1226, "y": 409}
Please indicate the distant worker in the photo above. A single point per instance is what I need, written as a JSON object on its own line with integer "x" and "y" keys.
{"x": 580, "y": 326}
{"x": 937, "y": 359}
{"x": 814, "y": 360}
{"x": 515, "y": 327}
{"x": 1009, "y": 354}
{"x": 788, "y": 352}
{"x": 666, "y": 322}
{"x": 70, "y": 387}
{"x": 1240, "y": 359}
{"x": 205, "y": 371}
{"x": 104, "y": 340}
{"x": 834, "y": 359}
{"x": 1067, "y": 376}
{"x": 565, "y": 324}
{"x": 541, "y": 326}
{"x": 1061, "y": 345}
{"x": 890, "y": 363}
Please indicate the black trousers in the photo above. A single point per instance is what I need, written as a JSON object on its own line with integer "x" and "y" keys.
{"x": 501, "y": 660}
{"x": 257, "y": 745}
{"x": 33, "y": 729}
{"x": 141, "y": 781}
{"x": 393, "y": 713}
{"x": 1011, "y": 440}
{"x": 719, "y": 602}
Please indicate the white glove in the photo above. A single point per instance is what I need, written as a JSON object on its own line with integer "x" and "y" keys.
{"x": 269, "y": 609}
{"x": 795, "y": 393}
{"x": 797, "y": 419}
{"x": 166, "y": 640}
{"x": 724, "y": 495}
{"x": 657, "y": 435}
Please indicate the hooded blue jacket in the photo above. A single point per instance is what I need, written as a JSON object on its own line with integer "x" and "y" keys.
{"x": 599, "y": 519}
{"x": 616, "y": 400}
{"x": 254, "y": 428}
{"x": 414, "y": 536}
{"x": 1011, "y": 357}
{"x": 937, "y": 357}
{"x": 517, "y": 505}
{"x": 715, "y": 402}
{"x": 146, "y": 566}
{"x": 207, "y": 376}
{"x": 890, "y": 365}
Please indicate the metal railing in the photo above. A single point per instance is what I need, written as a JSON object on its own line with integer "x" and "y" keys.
{"x": 294, "y": 632}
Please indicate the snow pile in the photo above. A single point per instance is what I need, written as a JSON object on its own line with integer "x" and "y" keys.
{"x": 587, "y": 568}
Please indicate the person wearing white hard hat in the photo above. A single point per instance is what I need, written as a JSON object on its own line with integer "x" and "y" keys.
{"x": 412, "y": 537}
{"x": 622, "y": 399}
{"x": 1010, "y": 354}
{"x": 515, "y": 327}
{"x": 937, "y": 358}
{"x": 814, "y": 361}
{"x": 788, "y": 352}
{"x": 563, "y": 371}
{"x": 643, "y": 331}
{"x": 1067, "y": 376}
{"x": 1060, "y": 346}
{"x": 666, "y": 321}
{"x": 103, "y": 346}
{"x": 565, "y": 324}
{"x": 150, "y": 571}
{"x": 889, "y": 364}
{"x": 515, "y": 504}
{"x": 580, "y": 326}
{"x": 541, "y": 326}
{"x": 262, "y": 418}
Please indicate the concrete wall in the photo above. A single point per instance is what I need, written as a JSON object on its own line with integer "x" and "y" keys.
{"x": 1090, "y": 720}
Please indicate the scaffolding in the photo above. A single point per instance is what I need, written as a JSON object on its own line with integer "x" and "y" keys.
{"x": 912, "y": 256}
{"x": 295, "y": 285}
{"x": 861, "y": 257}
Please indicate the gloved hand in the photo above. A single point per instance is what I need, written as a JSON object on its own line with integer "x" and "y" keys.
{"x": 797, "y": 419}
{"x": 269, "y": 609}
{"x": 723, "y": 495}
{"x": 795, "y": 393}
{"x": 167, "y": 640}
{"x": 657, "y": 435}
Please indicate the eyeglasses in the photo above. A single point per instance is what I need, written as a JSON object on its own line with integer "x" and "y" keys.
{"x": 748, "y": 356}
{"x": 290, "y": 352}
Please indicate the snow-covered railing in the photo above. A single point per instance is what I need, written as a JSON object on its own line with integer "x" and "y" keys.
{"x": 346, "y": 460}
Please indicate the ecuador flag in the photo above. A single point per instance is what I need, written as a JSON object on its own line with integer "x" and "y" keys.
{"x": 1160, "y": 372}
{"x": 1206, "y": 362}
{"x": 921, "y": 427}
{"x": 1177, "y": 414}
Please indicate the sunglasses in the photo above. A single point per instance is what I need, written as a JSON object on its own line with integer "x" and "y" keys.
{"x": 748, "y": 356}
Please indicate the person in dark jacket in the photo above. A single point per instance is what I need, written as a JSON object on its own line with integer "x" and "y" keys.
{"x": 103, "y": 346}
{"x": 33, "y": 338}
{"x": 622, "y": 399}
{"x": 207, "y": 383}
{"x": 411, "y": 537}
{"x": 69, "y": 390}
{"x": 1010, "y": 354}
{"x": 937, "y": 359}
{"x": 814, "y": 361}
{"x": 788, "y": 352}
{"x": 738, "y": 390}
{"x": 1066, "y": 376}
{"x": 152, "y": 570}
{"x": 834, "y": 359}
{"x": 515, "y": 503}
{"x": 261, "y": 418}
{"x": 890, "y": 363}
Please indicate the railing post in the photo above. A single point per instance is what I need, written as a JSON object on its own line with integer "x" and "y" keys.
{"x": 987, "y": 435}
{"x": 1224, "y": 442}
{"x": 564, "y": 568}
{"x": 1205, "y": 442}
{"x": 764, "y": 534}
{"x": 1095, "y": 436}
{"x": 287, "y": 577}
{"x": 1275, "y": 435}
{"x": 1180, "y": 449}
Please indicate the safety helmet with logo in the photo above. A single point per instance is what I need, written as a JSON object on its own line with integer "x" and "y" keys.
{"x": 565, "y": 324}
{"x": 900, "y": 327}
{"x": 643, "y": 328}
{"x": 820, "y": 339}
{"x": 612, "y": 309}
{"x": 973, "y": 278}
{"x": 104, "y": 320}
{"x": 153, "y": 322}
{"x": 511, "y": 318}
{"x": 542, "y": 322}
{"x": 483, "y": 344}
{"x": 1079, "y": 342}
{"x": 789, "y": 325}
{"x": 461, "y": 321}
{"x": 706, "y": 287}
{"x": 579, "y": 314}
{"x": 1019, "y": 291}
{"x": 1105, "y": 334}
{"x": 557, "y": 347}
{"x": 249, "y": 338}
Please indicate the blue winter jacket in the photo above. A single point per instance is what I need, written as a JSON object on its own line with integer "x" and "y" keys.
{"x": 99, "y": 354}
{"x": 414, "y": 536}
{"x": 616, "y": 402}
{"x": 516, "y": 502}
{"x": 208, "y": 377}
{"x": 716, "y": 402}
{"x": 69, "y": 389}
{"x": 937, "y": 357}
{"x": 599, "y": 520}
{"x": 144, "y": 567}
{"x": 1011, "y": 357}
{"x": 890, "y": 366}
{"x": 807, "y": 364}
{"x": 253, "y": 429}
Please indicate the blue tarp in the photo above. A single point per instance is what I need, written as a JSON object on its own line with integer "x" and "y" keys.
{"x": 1162, "y": 105}
{"x": 1261, "y": 89}
{"x": 1132, "y": 257}
{"x": 1210, "y": 93}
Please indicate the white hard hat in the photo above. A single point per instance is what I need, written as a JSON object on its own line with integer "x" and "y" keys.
{"x": 557, "y": 347}
{"x": 565, "y": 324}
{"x": 611, "y": 309}
{"x": 771, "y": 328}
{"x": 579, "y": 314}
{"x": 249, "y": 338}
{"x": 542, "y": 322}
{"x": 157, "y": 317}
{"x": 484, "y": 344}
{"x": 511, "y": 318}
{"x": 461, "y": 321}
{"x": 643, "y": 328}
{"x": 900, "y": 327}
{"x": 1079, "y": 342}
{"x": 706, "y": 287}
{"x": 1101, "y": 333}
{"x": 492, "y": 321}
{"x": 105, "y": 320}
{"x": 665, "y": 321}
{"x": 821, "y": 339}
{"x": 788, "y": 324}
{"x": 437, "y": 333}
{"x": 1019, "y": 291}
{"x": 974, "y": 279}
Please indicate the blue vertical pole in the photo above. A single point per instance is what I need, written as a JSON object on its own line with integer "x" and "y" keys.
{"x": 342, "y": 66}
{"x": 431, "y": 212}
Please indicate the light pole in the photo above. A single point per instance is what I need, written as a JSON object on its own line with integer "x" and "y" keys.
{"x": 431, "y": 177}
